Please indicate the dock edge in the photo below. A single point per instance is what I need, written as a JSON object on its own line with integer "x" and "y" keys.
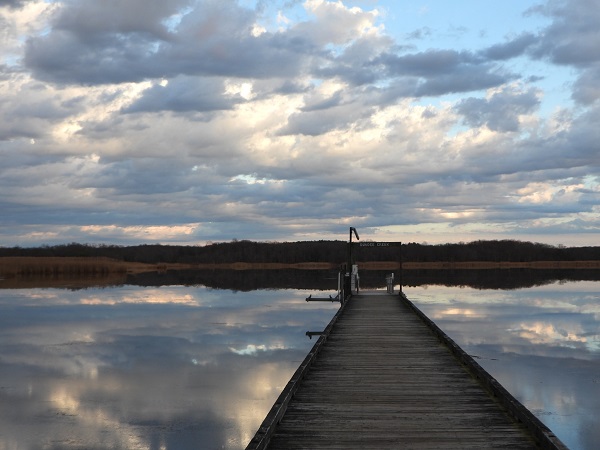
{"x": 267, "y": 428}
{"x": 545, "y": 438}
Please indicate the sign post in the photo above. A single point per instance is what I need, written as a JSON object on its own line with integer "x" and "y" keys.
{"x": 387, "y": 245}
{"x": 349, "y": 262}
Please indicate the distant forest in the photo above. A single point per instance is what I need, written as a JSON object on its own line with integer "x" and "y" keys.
{"x": 315, "y": 251}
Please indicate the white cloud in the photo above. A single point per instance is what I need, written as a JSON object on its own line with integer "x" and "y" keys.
{"x": 139, "y": 126}
{"x": 251, "y": 349}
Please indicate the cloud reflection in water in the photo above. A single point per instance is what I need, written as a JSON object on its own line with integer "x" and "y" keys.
{"x": 145, "y": 368}
{"x": 542, "y": 344}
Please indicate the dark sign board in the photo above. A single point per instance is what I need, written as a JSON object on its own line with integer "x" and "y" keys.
{"x": 379, "y": 244}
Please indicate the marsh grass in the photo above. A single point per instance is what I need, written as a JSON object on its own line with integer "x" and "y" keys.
{"x": 474, "y": 265}
{"x": 22, "y": 266}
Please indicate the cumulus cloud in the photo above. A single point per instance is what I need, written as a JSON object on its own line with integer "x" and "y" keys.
{"x": 511, "y": 49}
{"x": 288, "y": 120}
{"x": 12, "y": 3}
{"x": 441, "y": 72}
{"x": 501, "y": 110}
{"x": 29, "y": 108}
{"x": 586, "y": 89}
{"x": 183, "y": 94}
{"x": 573, "y": 39}
{"x": 115, "y": 45}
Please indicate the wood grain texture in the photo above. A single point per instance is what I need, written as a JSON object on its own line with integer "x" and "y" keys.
{"x": 383, "y": 380}
{"x": 383, "y": 376}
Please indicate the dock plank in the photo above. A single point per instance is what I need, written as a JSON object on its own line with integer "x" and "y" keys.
{"x": 382, "y": 379}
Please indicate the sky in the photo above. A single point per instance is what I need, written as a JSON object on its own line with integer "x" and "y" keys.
{"x": 195, "y": 121}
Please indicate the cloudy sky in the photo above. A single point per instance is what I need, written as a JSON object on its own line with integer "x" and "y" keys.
{"x": 194, "y": 121}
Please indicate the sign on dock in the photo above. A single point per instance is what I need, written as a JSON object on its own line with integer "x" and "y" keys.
{"x": 379, "y": 244}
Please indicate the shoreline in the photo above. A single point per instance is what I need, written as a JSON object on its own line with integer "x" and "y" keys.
{"x": 19, "y": 266}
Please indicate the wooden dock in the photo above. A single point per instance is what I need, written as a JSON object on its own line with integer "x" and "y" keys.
{"x": 383, "y": 376}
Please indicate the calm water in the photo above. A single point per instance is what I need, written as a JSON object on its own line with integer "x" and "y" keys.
{"x": 542, "y": 344}
{"x": 189, "y": 367}
{"x": 146, "y": 368}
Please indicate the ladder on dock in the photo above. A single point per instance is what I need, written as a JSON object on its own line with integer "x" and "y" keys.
{"x": 383, "y": 376}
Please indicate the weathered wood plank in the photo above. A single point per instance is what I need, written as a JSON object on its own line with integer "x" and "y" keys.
{"x": 382, "y": 378}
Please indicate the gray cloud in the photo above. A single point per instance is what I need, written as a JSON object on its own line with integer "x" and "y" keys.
{"x": 28, "y": 112}
{"x": 445, "y": 71}
{"x": 586, "y": 89}
{"x": 315, "y": 124}
{"x": 321, "y": 115}
{"x": 90, "y": 20}
{"x": 428, "y": 63}
{"x": 420, "y": 33}
{"x": 513, "y": 48}
{"x": 183, "y": 94}
{"x": 573, "y": 39}
{"x": 501, "y": 111}
{"x": 13, "y": 3}
{"x": 134, "y": 114}
{"x": 91, "y": 43}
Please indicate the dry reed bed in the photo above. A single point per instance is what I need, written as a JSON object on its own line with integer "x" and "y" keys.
{"x": 71, "y": 266}
{"x": 475, "y": 265}
{"x": 504, "y": 265}
{"x": 267, "y": 266}
{"x": 22, "y": 266}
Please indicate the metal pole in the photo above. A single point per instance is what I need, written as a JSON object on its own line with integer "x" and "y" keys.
{"x": 400, "y": 257}
{"x": 347, "y": 281}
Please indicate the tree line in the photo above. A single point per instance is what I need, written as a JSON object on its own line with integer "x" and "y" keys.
{"x": 328, "y": 251}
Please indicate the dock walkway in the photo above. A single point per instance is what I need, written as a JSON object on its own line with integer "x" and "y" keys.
{"x": 383, "y": 376}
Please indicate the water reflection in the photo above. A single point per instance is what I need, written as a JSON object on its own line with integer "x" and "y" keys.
{"x": 542, "y": 344}
{"x": 255, "y": 279}
{"x": 146, "y": 368}
{"x": 176, "y": 367}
